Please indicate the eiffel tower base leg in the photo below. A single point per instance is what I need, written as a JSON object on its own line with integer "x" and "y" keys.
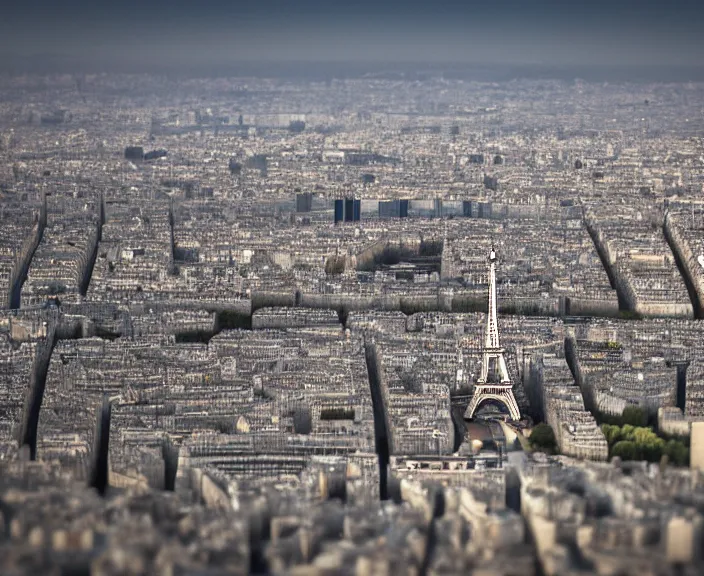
{"x": 503, "y": 394}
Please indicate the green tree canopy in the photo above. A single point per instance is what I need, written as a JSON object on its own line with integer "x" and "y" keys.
{"x": 634, "y": 415}
{"x": 625, "y": 450}
{"x": 335, "y": 265}
{"x": 612, "y": 433}
{"x": 543, "y": 438}
{"x": 640, "y": 443}
{"x": 676, "y": 452}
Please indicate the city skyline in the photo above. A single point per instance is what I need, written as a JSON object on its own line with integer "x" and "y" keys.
{"x": 350, "y": 317}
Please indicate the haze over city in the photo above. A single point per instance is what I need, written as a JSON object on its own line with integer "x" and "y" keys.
{"x": 180, "y": 36}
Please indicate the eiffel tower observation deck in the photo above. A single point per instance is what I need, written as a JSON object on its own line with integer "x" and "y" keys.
{"x": 494, "y": 383}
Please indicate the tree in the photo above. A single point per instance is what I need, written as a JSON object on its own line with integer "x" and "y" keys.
{"x": 611, "y": 433}
{"x": 634, "y": 415}
{"x": 642, "y": 443}
{"x": 542, "y": 438}
{"x": 455, "y": 130}
{"x": 410, "y": 382}
{"x": 625, "y": 450}
{"x": 335, "y": 265}
{"x": 676, "y": 452}
{"x": 643, "y": 436}
{"x": 652, "y": 449}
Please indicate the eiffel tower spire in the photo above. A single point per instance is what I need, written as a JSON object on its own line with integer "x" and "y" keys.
{"x": 491, "y": 334}
{"x": 493, "y": 356}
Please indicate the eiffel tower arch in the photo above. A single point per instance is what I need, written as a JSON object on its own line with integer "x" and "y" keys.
{"x": 493, "y": 361}
{"x": 496, "y": 393}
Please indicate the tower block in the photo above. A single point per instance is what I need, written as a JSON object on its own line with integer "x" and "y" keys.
{"x": 494, "y": 382}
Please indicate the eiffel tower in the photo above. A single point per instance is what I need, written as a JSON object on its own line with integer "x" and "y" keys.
{"x": 493, "y": 355}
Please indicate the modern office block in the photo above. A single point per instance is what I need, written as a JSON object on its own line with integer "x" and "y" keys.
{"x": 339, "y": 211}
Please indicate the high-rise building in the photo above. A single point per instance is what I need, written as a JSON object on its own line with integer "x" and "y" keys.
{"x": 348, "y": 210}
{"x": 339, "y": 211}
{"x": 403, "y": 208}
{"x": 393, "y": 209}
{"x": 304, "y": 202}
{"x": 389, "y": 209}
{"x": 484, "y": 209}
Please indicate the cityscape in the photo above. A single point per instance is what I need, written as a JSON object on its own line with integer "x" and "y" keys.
{"x": 376, "y": 323}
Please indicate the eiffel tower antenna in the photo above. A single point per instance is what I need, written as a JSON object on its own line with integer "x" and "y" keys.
{"x": 493, "y": 354}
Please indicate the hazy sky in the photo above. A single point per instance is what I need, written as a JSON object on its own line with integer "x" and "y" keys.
{"x": 564, "y": 32}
